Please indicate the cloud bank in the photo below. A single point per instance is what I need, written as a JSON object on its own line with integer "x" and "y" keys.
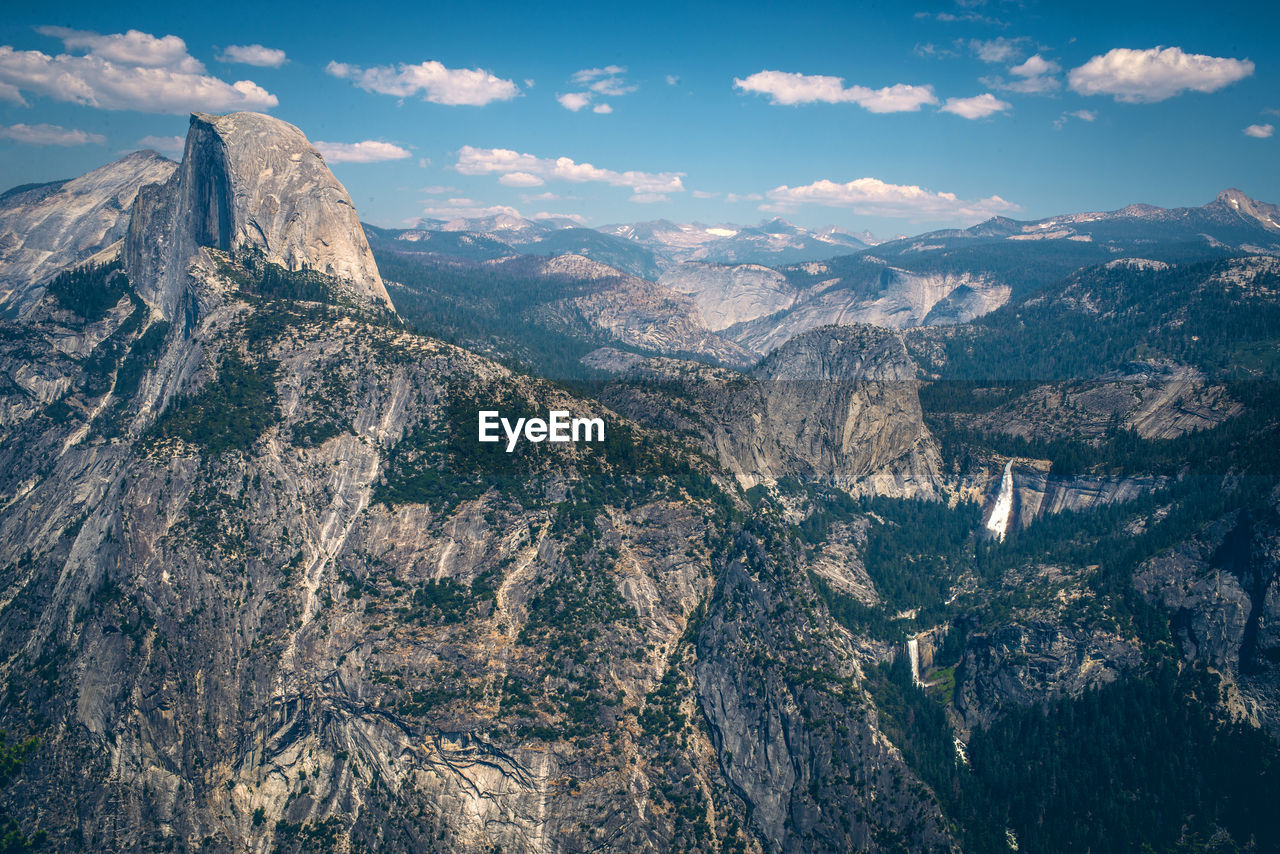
{"x": 526, "y": 170}
{"x": 124, "y": 71}
{"x": 873, "y": 197}
{"x": 432, "y": 80}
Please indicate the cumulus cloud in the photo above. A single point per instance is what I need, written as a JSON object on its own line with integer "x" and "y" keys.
{"x": 998, "y": 49}
{"x": 253, "y": 54}
{"x": 170, "y": 144}
{"x": 501, "y": 161}
{"x": 1036, "y": 76}
{"x": 977, "y": 107}
{"x": 871, "y": 196}
{"x": 734, "y": 198}
{"x": 648, "y": 198}
{"x": 124, "y": 71}
{"x": 574, "y": 101}
{"x": 520, "y": 179}
{"x": 787, "y": 88}
{"x": 436, "y": 83}
{"x": 1260, "y": 131}
{"x": 369, "y": 151}
{"x": 1035, "y": 66}
{"x": 673, "y": 80}
{"x": 603, "y": 109}
{"x": 49, "y": 135}
{"x": 132, "y": 48}
{"x": 704, "y": 194}
{"x": 1146, "y": 76}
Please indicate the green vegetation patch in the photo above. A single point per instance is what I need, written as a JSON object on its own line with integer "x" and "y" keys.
{"x": 227, "y": 413}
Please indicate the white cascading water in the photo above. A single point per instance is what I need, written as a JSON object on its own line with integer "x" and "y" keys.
{"x": 913, "y": 652}
{"x": 998, "y": 521}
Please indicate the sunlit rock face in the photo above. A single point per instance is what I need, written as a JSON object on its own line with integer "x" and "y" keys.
{"x": 47, "y": 228}
{"x": 247, "y": 182}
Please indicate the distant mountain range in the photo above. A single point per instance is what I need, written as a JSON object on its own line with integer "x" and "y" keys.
{"x": 642, "y": 249}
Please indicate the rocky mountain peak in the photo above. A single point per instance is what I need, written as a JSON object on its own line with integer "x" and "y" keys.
{"x": 247, "y": 182}
{"x": 858, "y": 352}
{"x": 1231, "y": 199}
{"x": 46, "y": 228}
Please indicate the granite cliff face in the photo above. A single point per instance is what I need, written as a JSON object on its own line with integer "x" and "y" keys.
{"x": 247, "y": 183}
{"x": 837, "y": 405}
{"x": 47, "y": 228}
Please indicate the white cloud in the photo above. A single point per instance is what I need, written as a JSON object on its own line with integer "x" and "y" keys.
{"x": 703, "y": 194}
{"x": 501, "y": 161}
{"x": 539, "y": 197}
{"x": 1146, "y": 76}
{"x": 1036, "y": 76}
{"x": 998, "y": 49}
{"x": 132, "y": 48}
{"x": 124, "y": 71}
{"x": 253, "y": 54}
{"x": 673, "y": 80}
{"x": 977, "y": 107}
{"x": 1259, "y": 131}
{"x": 648, "y": 198}
{"x": 132, "y": 71}
{"x": 604, "y": 81}
{"x": 454, "y": 208}
{"x": 170, "y": 144}
{"x": 578, "y": 218}
{"x": 871, "y": 196}
{"x": 520, "y": 179}
{"x": 574, "y": 101}
{"x": 369, "y": 151}
{"x": 734, "y": 198}
{"x": 436, "y": 83}
{"x": 49, "y": 135}
{"x": 438, "y": 189}
{"x": 1036, "y": 66}
{"x": 607, "y": 82}
{"x": 787, "y": 88}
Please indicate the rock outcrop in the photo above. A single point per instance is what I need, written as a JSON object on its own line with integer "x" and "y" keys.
{"x": 838, "y": 405}
{"x": 48, "y": 228}
{"x": 247, "y": 183}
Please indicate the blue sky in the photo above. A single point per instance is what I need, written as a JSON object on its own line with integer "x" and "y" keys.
{"x": 893, "y": 118}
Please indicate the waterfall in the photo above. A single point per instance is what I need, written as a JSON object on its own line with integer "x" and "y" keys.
{"x": 913, "y": 652}
{"x": 998, "y": 521}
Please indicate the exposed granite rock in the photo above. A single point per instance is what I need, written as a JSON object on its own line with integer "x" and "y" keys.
{"x": 51, "y": 227}
{"x": 1033, "y": 661}
{"x": 730, "y": 294}
{"x": 837, "y": 405}
{"x": 634, "y": 311}
{"x": 1221, "y": 587}
{"x": 875, "y": 294}
{"x": 1158, "y": 400}
{"x": 247, "y": 182}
